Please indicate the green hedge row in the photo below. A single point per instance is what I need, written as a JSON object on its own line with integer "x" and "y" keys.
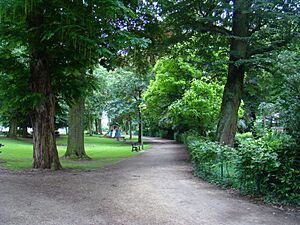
{"x": 267, "y": 166}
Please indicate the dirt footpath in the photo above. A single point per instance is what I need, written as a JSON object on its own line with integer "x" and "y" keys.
{"x": 155, "y": 187}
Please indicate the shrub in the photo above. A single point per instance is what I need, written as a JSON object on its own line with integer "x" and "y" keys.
{"x": 268, "y": 166}
{"x": 256, "y": 160}
{"x": 211, "y": 161}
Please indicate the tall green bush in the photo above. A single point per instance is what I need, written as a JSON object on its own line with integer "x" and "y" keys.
{"x": 267, "y": 167}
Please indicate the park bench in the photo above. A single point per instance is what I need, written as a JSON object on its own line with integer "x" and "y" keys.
{"x": 135, "y": 146}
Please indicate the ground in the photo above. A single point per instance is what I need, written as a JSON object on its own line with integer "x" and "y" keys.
{"x": 154, "y": 187}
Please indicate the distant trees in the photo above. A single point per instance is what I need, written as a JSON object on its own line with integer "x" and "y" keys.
{"x": 14, "y": 99}
{"x": 172, "y": 79}
{"x": 199, "y": 106}
{"x": 125, "y": 90}
{"x": 96, "y": 100}
{"x": 182, "y": 97}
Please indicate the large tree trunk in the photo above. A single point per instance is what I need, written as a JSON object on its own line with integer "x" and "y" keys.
{"x": 45, "y": 154}
{"x": 13, "y": 125}
{"x": 75, "y": 148}
{"x": 236, "y": 71}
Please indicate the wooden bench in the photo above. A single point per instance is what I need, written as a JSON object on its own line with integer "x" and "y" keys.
{"x": 135, "y": 146}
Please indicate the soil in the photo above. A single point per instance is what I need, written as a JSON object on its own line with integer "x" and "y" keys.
{"x": 154, "y": 187}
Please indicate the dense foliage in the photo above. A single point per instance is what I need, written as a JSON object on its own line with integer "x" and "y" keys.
{"x": 267, "y": 167}
{"x": 199, "y": 107}
{"x": 182, "y": 96}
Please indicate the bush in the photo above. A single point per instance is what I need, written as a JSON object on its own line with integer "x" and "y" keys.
{"x": 268, "y": 166}
{"x": 210, "y": 160}
{"x": 271, "y": 164}
{"x": 256, "y": 161}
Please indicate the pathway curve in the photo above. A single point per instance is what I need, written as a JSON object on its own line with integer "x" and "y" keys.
{"x": 155, "y": 187}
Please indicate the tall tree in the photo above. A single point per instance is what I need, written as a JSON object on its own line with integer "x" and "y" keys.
{"x": 96, "y": 100}
{"x": 233, "y": 89}
{"x": 247, "y": 28}
{"x": 42, "y": 116}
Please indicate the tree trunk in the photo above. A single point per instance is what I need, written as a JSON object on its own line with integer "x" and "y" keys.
{"x": 45, "y": 154}
{"x": 91, "y": 126}
{"x": 236, "y": 71}
{"x": 24, "y": 132}
{"x": 140, "y": 128}
{"x": 96, "y": 125}
{"x": 130, "y": 129}
{"x": 75, "y": 148}
{"x": 13, "y": 125}
{"x": 99, "y": 123}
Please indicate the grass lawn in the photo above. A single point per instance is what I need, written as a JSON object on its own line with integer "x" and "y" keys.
{"x": 17, "y": 154}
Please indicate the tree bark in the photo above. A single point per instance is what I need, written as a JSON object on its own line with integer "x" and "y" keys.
{"x": 130, "y": 129}
{"x": 45, "y": 154}
{"x": 233, "y": 90}
{"x": 75, "y": 148}
{"x": 140, "y": 127}
{"x": 13, "y": 125}
{"x": 99, "y": 125}
{"x": 90, "y": 124}
{"x": 96, "y": 125}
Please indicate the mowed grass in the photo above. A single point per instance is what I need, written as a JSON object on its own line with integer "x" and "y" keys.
{"x": 17, "y": 154}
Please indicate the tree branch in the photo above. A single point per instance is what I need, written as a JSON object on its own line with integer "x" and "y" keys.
{"x": 258, "y": 27}
{"x": 267, "y": 69}
{"x": 214, "y": 29}
{"x": 273, "y": 46}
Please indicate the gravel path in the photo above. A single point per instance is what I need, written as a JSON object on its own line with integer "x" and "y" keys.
{"x": 155, "y": 187}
